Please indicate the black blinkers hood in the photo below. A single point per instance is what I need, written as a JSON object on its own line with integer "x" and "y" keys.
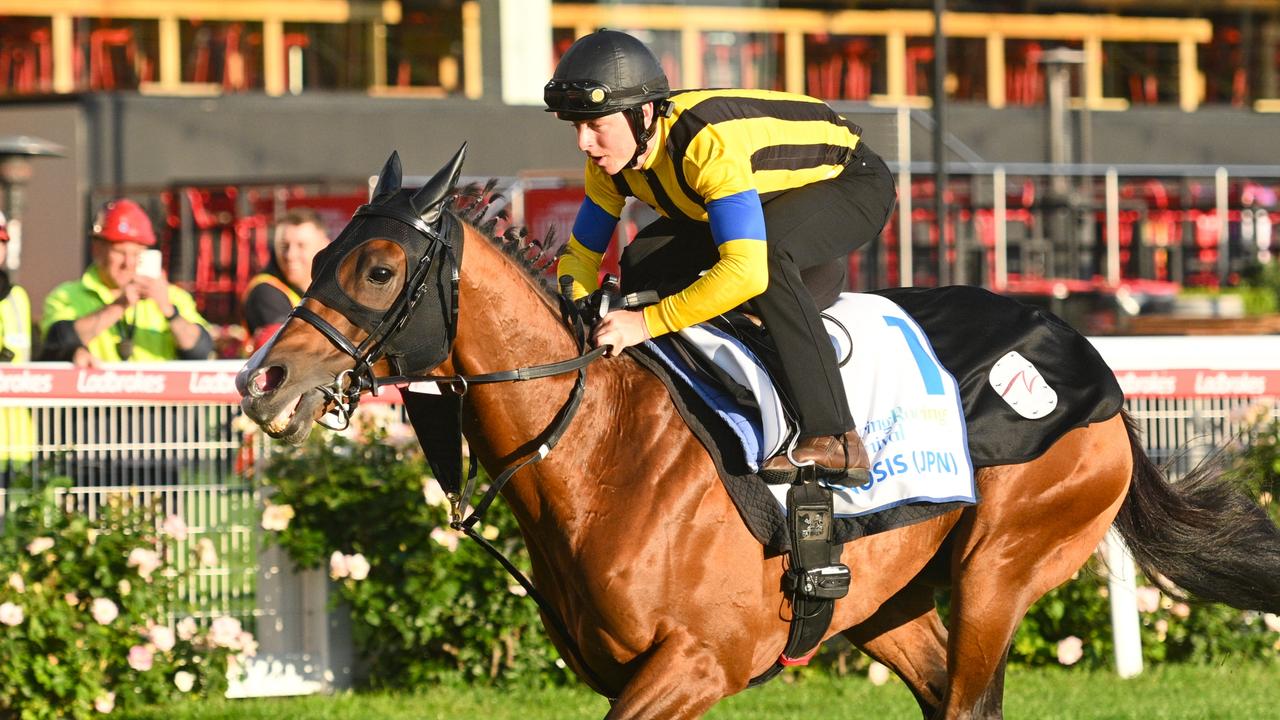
{"x": 416, "y": 332}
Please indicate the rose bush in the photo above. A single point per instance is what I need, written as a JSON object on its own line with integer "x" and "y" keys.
{"x": 426, "y": 604}
{"x": 84, "y": 612}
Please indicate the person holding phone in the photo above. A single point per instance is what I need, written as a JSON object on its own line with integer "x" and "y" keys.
{"x": 123, "y": 307}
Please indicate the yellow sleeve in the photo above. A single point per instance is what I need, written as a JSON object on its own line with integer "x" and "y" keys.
{"x": 58, "y": 306}
{"x": 185, "y": 304}
{"x": 741, "y": 274}
{"x": 583, "y": 265}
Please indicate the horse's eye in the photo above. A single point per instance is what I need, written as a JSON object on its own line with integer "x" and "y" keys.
{"x": 380, "y": 275}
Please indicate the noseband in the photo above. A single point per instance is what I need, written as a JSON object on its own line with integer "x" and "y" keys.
{"x": 344, "y": 394}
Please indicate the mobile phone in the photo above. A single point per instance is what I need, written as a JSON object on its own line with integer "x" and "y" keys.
{"x": 149, "y": 264}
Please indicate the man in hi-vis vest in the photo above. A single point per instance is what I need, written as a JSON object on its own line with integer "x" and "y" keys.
{"x": 17, "y": 432}
{"x": 272, "y": 294}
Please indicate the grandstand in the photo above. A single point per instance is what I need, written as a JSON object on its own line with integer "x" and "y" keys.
{"x": 212, "y": 112}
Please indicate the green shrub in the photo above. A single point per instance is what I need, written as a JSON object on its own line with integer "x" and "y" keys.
{"x": 427, "y": 604}
{"x": 83, "y": 621}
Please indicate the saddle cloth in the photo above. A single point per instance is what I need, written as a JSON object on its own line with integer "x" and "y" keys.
{"x": 905, "y": 405}
{"x": 1023, "y": 376}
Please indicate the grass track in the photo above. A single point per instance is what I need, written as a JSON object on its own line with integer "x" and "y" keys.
{"x": 1229, "y": 692}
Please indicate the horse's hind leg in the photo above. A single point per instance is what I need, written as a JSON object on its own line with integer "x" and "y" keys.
{"x": 907, "y": 636}
{"x": 1036, "y": 525}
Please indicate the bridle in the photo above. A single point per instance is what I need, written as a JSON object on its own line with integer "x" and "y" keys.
{"x": 444, "y": 236}
{"x": 343, "y": 395}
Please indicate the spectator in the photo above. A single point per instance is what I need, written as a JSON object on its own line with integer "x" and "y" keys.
{"x": 122, "y": 308}
{"x": 272, "y": 294}
{"x": 17, "y": 434}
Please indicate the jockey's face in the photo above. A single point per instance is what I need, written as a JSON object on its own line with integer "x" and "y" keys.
{"x": 608, "y": 140}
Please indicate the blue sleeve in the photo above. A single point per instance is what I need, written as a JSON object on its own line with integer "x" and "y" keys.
{"x": 736, "y": 217}
{"x": 593, "y": 227}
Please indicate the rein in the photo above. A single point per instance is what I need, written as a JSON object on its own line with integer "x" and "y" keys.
{"x": 343, "y": 395}
{"x": 465, "y": 522}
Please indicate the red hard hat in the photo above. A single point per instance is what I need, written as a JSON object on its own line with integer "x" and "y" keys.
{"x": 124, "y": 221}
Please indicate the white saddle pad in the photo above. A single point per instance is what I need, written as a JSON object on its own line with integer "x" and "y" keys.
{"x": 904, "y": 403}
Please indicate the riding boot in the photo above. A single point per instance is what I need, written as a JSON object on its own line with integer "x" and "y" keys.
{"x": 832, "y": 454}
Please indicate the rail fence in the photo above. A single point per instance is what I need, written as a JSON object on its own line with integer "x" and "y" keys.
{"x": 173, "y": 434}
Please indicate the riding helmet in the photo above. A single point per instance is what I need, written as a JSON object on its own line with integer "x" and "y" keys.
{"x": 603, "y": 73}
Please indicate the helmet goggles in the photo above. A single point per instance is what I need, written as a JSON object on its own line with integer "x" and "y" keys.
{"x": 578, "y": 96}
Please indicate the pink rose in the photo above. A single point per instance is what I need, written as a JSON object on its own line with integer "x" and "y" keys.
{"x": 246, "y": 644}
{"x": 175, "y": 527}
{"x": 187, "y": 628}
{"x": 184, "y": 681}
{"x": 39, "y": 545}
{"x": 1070, "y": 650}
{"x": 207, "y": 554}
{"x": 276, "y": 518}
{"x": 433, "y": 493}
{"x": 1272, "y": 621}
{"x": 16, "y": 582}
{"x": 357, "y": 566}
{"x": 141, "y": 658}
{"x": 446, "y": 538}
{"x": 225, "y": 632}
{"x": 105, "y": 703}
{"x": 1148, "y": 599}
{"x": 1181, "y": 610}
{"x": 338, "y": 566}
{"x": 10, "y": 614}
{"x": 147, "y": 561}
{"x": 104, "y": 611}
{"x": 162, "y": 637}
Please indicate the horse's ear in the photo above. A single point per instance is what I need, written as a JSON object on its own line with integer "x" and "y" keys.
{"x": 389, "y": 178}
{"x": 429, "y": 200}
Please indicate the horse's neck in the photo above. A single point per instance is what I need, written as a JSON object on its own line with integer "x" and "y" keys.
{"x": 506, "y": 322}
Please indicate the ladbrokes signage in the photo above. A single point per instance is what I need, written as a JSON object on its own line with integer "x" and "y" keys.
{"x": 203, "y": 382}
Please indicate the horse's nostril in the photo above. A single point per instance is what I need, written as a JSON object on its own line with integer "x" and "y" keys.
{"x": 266, "y": 380}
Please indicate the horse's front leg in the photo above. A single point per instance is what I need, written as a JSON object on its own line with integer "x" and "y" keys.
{"x": 679, "y": 679}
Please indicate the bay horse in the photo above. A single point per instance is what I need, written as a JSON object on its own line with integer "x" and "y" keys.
{"x": 634, "y": 541}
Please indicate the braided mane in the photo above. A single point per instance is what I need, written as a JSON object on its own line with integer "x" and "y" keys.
{"x": 484, "y": 210}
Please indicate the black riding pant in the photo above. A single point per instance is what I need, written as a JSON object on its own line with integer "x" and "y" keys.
{"x": 810, "y": 231}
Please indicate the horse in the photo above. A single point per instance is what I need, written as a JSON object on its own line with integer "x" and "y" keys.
{"x": 669, "y": 602}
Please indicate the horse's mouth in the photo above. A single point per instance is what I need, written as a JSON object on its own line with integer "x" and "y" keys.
{"x": 289, "y": 421}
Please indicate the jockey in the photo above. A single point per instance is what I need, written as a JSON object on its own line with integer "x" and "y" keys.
{"x": 763, "y": 196}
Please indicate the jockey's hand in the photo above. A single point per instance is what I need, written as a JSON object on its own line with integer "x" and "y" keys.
{"x": 619, "y": 330}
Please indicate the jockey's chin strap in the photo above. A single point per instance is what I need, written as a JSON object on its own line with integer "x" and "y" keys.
{"x": 459, "y": 494}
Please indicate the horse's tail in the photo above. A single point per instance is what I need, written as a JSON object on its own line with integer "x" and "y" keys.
{"x": 1203, "y": 534}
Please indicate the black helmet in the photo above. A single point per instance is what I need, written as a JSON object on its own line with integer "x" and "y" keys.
{"x": 603, "y": 73}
